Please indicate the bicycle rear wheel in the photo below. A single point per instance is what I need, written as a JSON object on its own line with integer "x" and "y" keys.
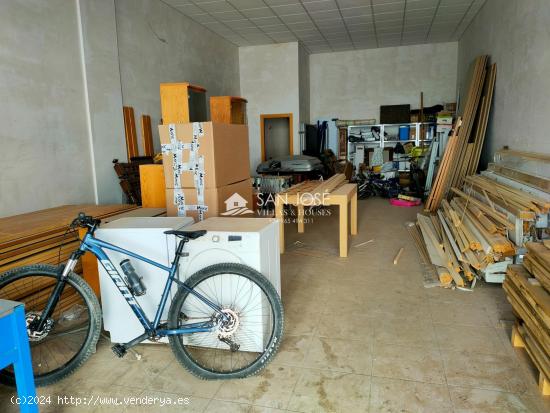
{"x": 243, "y": 344}
{"x": 70, "y": 334}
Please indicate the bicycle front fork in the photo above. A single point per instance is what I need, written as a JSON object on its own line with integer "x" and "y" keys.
{"x": 57, "y": 291}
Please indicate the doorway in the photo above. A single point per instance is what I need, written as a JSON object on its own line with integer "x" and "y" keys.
{"x": 276, "y": 135}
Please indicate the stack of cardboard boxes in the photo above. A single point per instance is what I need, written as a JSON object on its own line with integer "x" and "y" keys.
{"x": 206, "y": 168}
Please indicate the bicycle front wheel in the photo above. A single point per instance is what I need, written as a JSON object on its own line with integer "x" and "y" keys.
{"x": 243, "y": 343}
{"x": 71, "y": 332}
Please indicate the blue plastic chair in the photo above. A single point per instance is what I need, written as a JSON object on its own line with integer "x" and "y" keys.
{"x": 14, "y": 349}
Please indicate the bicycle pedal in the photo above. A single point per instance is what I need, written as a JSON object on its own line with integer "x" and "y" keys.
{"x": 119, "y": 350}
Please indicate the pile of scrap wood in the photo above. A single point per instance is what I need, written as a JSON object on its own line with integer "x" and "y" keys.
{"x": 472, "y": 230}
{"x": 527, "y": 289}
{"x": 483, "y": 222}
{"x": 40, "y": 237}
{"x": 463, "y": 150}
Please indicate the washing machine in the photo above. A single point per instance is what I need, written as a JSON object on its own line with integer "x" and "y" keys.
{"x": 250, "y": 241}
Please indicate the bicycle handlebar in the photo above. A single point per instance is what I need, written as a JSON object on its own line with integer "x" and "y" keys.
{"x": 85, "y": 221}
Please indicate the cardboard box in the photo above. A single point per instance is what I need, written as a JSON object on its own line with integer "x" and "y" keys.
{"x": 229, "y": 200}
{"x": 444, "y": 118}
{"x": 224, "y": 148}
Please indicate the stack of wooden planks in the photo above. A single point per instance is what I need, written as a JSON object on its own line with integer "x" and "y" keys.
{"x": 461, "y": 239}
{"x": 40, "y": 237}
{"x": 515, "y": 201}
{"x": 472, "y": 230}
{"x": 527, "y": 290}
{"x": 463, "y": 150}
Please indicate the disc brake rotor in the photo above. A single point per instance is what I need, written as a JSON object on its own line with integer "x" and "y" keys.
{"x": 227, "y": 328}
{"x": 32, "y": 318}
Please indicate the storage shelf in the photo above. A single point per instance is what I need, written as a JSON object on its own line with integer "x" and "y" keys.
{"x": 416, "y": 127}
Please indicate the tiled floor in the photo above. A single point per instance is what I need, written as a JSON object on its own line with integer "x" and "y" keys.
{"x": 362, "y": 335}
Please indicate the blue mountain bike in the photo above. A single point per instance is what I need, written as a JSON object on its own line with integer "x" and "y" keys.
{"x": 225, "y": 321}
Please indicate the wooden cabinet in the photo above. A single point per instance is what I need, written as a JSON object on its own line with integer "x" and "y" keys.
{"x": 182, "y": 103}
{"x": 152, "y": 185}
{"x": 228, "y": 109}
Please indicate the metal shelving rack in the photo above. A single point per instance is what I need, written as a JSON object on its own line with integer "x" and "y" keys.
{"x": 393, "y": 135}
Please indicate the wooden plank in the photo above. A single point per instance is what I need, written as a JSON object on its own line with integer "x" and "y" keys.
{"x": 498, "y": 216}
{"x": 130, "y": 132}
{"x": 31, "y": 226}
{"x": 538, "y": 182}
{"x": 538, "y": 357}
{"x": 538, "y": 270}
{"x": 147, "y": 136}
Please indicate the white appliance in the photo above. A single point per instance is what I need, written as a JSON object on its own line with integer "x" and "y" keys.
{"x": 250, "y": 241}
{"x": 144, "y": 236}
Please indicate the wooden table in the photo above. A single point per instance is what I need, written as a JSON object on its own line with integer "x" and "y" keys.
{"x": 333, "y": 191}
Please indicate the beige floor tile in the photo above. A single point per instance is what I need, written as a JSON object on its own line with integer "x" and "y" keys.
{"x": 420, "y": 333}
{"x": 219, "y": 406}
{"x": 347, "y": 307}
{"x": 293, "y": 350}
{"x": 481, "y": 339}
{"x": 358, "y": 327}
{"x": 176, "y": 379}
{"x": 398, "y": 396}
{"x": 263, "y": 409}
{"x": 484, "y": 371}
{"x": 271, "y": 388}
{"x": 408, "y": 363}
{"x": 391, "y": 307}
{"x": 489, "y": 401}
{"x": 459, "y": 313}
{"x": 143, "y": 373}
{"x": 100, "y": 370}
{"x": 325, "y": 391}
{"x": 341, "y": 355}
{"x": 301, "y": 322}
{"x": 227, "y": 407}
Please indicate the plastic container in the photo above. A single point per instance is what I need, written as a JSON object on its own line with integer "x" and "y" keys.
{"x": 404, "y": 132}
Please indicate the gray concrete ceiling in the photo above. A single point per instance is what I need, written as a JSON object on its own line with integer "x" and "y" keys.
{"x": 333, "y": 25}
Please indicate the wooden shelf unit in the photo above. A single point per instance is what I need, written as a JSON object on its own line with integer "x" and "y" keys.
{"x": 182, "y": 103}
{"x": 228, "y": 109}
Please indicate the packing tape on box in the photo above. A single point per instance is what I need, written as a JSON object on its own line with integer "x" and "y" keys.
{"x": 182, "y": 207}
{"x": 195, "y": 165}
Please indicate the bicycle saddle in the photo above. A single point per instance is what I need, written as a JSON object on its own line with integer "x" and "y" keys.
{"x": 187, "y": 234}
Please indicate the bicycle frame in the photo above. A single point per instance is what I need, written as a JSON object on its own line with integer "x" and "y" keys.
{"x": 96, "y": 246}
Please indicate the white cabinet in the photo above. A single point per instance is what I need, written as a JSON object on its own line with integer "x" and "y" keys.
{"x": 144, "y": 236}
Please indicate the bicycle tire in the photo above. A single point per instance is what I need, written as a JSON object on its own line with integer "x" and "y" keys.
{"x": 94, "y": 329}
{"x": 270, "y": 349}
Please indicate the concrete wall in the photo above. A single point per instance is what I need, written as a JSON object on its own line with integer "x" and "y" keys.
{"x": 516, "y": 35}
{"x": 353, "y": 85}
{"x": 62, "y": 90}
{"x": 99, "y": 52}
{"x": 269, "y": 81}
{"x": 44, "y": 137}
{"x": 159, "y": 44}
